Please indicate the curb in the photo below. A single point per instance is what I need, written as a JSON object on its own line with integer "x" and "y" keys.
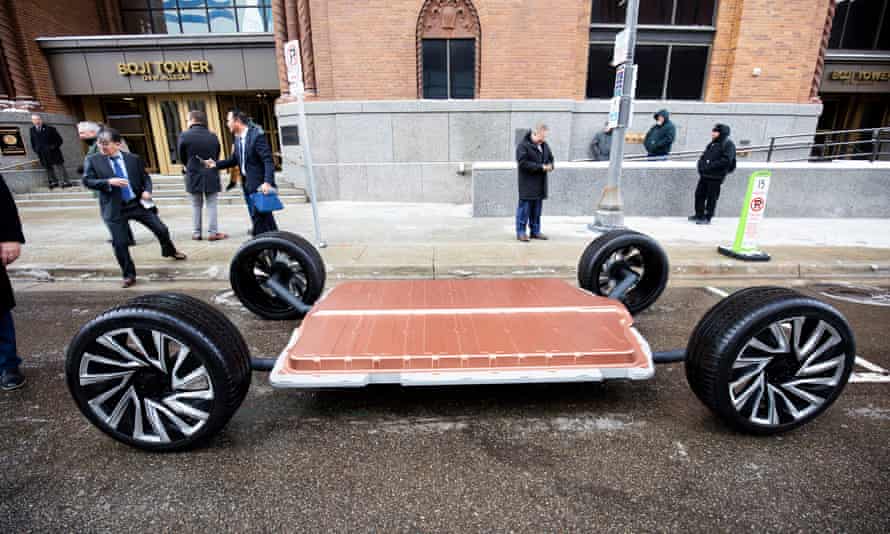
{"x": 679, "y": 270}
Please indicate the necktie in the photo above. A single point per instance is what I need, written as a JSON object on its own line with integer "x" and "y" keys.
{"x": 126, "y": 192}
{"x": 241, "y": 154}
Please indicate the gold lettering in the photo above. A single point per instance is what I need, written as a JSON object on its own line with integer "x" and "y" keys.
{"x": 122, "y": 68}
{"x": 132, "y": 68}
{"x": 195, "y": 65}
{"x": 205, "y": 66}
{"x": 169, "y": 67}
{"x": 182, "y": 66}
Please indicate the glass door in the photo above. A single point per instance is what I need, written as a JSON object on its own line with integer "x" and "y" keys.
{"x": 169, "y": 114}
{"x": 129, "y": 116}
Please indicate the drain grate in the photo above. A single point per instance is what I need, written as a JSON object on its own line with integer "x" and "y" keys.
{"x": 874, "y": 296}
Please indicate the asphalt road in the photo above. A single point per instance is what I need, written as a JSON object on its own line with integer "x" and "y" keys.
{"x": 643, "y": 456}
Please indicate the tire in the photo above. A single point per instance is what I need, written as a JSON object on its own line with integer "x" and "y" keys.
{"x": 767, "y": 360}
{"x": 637, "y": 251}
{"x": 281, "y": 253}
{"x": 160, "y": 373}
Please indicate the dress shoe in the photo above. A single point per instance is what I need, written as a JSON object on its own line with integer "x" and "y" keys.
{"x": 196, "y": 237}
{"x": 523, "y": 238}
{"x": 11, "y": 379}
{"x": 693, "y": 218}
{"x": 217, "y": 236}
{"x": 703, "y": 221}
{"x": 540, "y": 236}
{"x": 128, "y": 282}
{"x": 67, "y": 185}
{"x": 178, "y": 256}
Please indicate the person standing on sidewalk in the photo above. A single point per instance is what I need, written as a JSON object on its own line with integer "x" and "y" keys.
{"x": 11, "y": 240}
{"x": 88, "y": 132}
{"x": 534, "y": 160}
{"x": 718, "y": 160}
{"x": 124, "y": 194}
{"x": 601, "y": 146}
{"x": 196, "y": 145}
{"x": 253, "y": 157}
{"x": 661, "y": 135}
{"x": 46, "y": 143}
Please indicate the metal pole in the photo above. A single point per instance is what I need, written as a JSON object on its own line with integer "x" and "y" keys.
{"x": 772, "y": 144}
{"x": 875, "y": 136}
{"x": 610, "y": 211}
{"x": 310, "y": 172}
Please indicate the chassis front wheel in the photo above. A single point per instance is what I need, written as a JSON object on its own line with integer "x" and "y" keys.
{"x": 767, "y": 360}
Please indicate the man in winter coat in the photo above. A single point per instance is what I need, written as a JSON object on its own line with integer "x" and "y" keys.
{"x": 46, "y": 143}
{"x": 88, "y": 131}
{"x": 534, "y": 160}
{"x": 196, "y": 145}
{"x": 661, "y": 136}
{"x": 601, "y": 146}
{"x": 718, "y": 160}
{"x": 11, "y": 240}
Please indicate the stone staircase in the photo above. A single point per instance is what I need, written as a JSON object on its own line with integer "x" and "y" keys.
{"x": 169, "y": 190}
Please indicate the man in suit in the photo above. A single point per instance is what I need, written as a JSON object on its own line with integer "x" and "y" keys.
{"x": 124, "y": 195}
{"x": 253, "y": 157}
{"x": 196, "y": 145}
{"x": 46, "y": 143}
{"x": 11, "y": 239}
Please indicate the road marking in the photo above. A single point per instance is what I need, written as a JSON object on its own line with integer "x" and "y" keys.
{"x": 877, "y": 373}
{"x": 716, "y": 291}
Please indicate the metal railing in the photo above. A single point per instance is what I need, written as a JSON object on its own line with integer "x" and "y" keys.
{"x": 868, "y": 144}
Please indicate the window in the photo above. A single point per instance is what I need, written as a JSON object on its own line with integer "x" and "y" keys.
{"x": 196, "y": 16}
{"x": 673, "y": 46}
{"x": 449, "y": 68}
{"x": 657, "y": 12}
{"x": 861, "y": 25}
{"x": 674, "y": 71}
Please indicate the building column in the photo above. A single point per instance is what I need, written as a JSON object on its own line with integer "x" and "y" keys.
{"x": 21, "y": 81}
{"x": 280, "y": 28}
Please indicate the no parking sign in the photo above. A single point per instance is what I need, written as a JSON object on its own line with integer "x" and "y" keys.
{"x": 745, "y": 245}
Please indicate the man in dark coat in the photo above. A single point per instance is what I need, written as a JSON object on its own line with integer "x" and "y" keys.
{"x": 124, "y": 194}
{"x": 661, "y": 136}
{"x": 253, "y": 157}
{"x": 11, "y": 239}
{"x": 534, "y": 160}
{"x": 46, "y": 143}
{"x": 601, "y": 146}
{"x": 718, "y": 160}
{"x": 196, "y": 145}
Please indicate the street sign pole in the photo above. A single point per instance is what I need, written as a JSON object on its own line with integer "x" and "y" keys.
{"x": 610, "y": 210}
{"x": 753, "y": 210}
{"x": 295, "y": 81}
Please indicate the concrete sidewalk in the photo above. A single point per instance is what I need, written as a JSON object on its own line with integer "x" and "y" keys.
{"x": 443, "y": 240}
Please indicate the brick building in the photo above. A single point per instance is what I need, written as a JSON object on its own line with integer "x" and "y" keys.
{"x": 414, "y": 88}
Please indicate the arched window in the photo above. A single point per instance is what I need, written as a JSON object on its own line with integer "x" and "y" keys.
{"x": 448, "y": 49}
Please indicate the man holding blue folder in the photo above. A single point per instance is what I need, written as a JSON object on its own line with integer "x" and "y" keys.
{"x": 124, "y": 195}
{"x": 253, "y": 156}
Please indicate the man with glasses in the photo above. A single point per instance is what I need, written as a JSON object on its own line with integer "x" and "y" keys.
{"x": 124, "y": 195}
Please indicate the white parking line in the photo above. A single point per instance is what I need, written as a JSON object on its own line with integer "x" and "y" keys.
{"x": 716, "y": 291}
{"x": 877, "y": 373}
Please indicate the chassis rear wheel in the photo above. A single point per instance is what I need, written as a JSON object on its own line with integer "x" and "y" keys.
{"x": 160, "y": 373}
{"x": 767, "y": 360}
{"x": 607, "y": 256}
{"x": 287, "y": 257}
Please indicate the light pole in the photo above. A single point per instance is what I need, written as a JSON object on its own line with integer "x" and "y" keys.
{"x": 610, "y": 210}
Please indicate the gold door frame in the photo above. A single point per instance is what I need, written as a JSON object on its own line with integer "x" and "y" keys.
{"x": 159, "y": 129}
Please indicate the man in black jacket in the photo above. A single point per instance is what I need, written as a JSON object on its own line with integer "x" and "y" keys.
{"x": 715, "y": 163}
{"x": 124, "y": 194}
{"x": 253, "y": 157}
{"x": 11, "y": 239}
{"x": 534, "y": 160}
{"x": 46, "y": 143}
{"x": 196, "y": 145}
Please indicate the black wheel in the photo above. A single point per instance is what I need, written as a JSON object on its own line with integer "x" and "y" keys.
{"x": 605, "y": 258}
{"x": 290, "y": 259}
{"x": 160, "y": 373}
{"x": 767, "y": 360}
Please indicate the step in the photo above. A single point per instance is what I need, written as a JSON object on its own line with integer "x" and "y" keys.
{"x": 182, "y": 200}
{"x": 462, "y": 332}
{"x": 80, "y": 192}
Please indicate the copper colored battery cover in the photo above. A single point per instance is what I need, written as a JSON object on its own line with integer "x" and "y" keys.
{"x": 405, "y": 326}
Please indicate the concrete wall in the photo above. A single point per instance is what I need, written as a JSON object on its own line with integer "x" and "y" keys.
{"x": 665, "y": 189}
{"x": 25, "y": 177}
{"x": 411, "y": 150}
